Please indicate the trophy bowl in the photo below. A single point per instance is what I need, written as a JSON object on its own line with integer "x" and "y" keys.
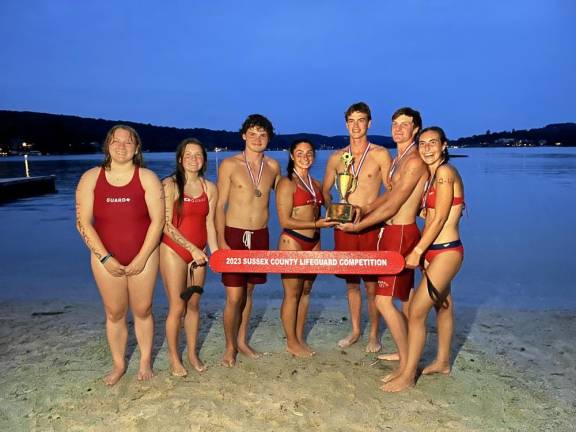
{"x": 343, "y": 211}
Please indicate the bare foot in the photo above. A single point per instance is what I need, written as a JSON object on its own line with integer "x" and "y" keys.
{"x": 373, "y": 345}
{"x": 248, "y": 351}
{"x": 437, "y": 367}
{"x": 196, "y": 363}
{"x": 398, "y": 384}
{"x": 391, "y": 376}
{"x": 178, "y": 370}
{"x": 229, "y": 359}
{"x": 299, "y": 351}
{"x": 389, "y": 357}
{"x": 351, "y": 339}
{"x": 308, "y": 348}
{"x": 113, "y": 377}
{"x": 145, "y": 373}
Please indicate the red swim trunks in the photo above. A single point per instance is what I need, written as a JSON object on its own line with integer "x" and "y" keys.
{"x": 365, "y": 240}
{"x": 398, "y": 238}
{"x": 241, "y": 239}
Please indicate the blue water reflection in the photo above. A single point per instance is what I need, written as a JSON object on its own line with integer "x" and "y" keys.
{"x": 516, "y": 231}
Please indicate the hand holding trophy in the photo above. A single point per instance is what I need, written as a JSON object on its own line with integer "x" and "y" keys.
{"x": 345, "y": 183}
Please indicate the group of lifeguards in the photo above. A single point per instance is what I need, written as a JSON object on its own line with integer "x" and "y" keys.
{"x": 134, "y": 224}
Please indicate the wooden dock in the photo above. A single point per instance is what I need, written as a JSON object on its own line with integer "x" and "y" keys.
{"x": 22, "y": 187}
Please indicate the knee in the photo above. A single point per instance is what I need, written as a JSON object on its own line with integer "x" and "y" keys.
{"x": 384, "y": 302}
{"x": 235, "y": 301}
{"x": 194, "y": 304}
{"x": 371, "y": 289}
{"x": 142, "y": 312}
{"x": 292, "y": 295}
{"x": 176, "y": 309}
{"x": 115, "y": 315}
{"x": 418, "y": 315}
{"x": 353, "y": 288}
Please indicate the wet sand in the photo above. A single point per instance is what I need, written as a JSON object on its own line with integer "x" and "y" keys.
{"x": 513, "y": 371}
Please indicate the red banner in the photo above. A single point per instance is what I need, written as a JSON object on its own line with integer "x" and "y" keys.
{"x": 331, "y": 262}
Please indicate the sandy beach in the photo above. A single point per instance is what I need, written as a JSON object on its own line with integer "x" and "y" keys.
{"x": 513, "y": 371}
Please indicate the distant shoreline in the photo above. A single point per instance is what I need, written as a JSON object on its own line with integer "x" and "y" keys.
{"x": 31, "y": 132}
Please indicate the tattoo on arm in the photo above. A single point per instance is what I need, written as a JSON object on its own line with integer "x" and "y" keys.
{"x": 178, "y": 238}
{"x": 170, "y": 228}
{"x": 84, "y": 234}
{"x": 442, "y": 180}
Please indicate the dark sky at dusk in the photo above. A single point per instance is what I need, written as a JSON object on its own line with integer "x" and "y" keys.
{"x": 468, "y": 66}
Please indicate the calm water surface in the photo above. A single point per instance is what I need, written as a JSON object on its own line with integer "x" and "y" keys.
{"x": 516, "y": 230}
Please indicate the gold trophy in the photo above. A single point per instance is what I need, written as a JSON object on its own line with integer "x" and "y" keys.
{"x": 345, "y": 183}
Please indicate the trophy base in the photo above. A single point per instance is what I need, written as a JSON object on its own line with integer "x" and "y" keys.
{"x": 341, "y": 212}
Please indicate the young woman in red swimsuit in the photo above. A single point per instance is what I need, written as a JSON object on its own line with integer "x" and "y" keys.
{"x": 298, "y": 202}
{"x": 441, "y": 249}
{"x": 190, "y": 201}
{"x": 120, "y": 215}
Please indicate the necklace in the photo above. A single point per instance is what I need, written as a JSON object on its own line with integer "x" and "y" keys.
{"x": 256, "y": 182}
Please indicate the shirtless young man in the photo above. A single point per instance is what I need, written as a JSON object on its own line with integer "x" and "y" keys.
{"x": 371, "y": 165}
{"x": 398, "y": 208}
{"x": 244, "y": 184}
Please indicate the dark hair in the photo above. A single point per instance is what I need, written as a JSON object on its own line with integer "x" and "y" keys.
{"x": 358, "y": 107}
{"x": 257, "y": 120}
{"x": 179, "y": 175}
{"x": 443, "y": 139}
{"x": 290, "y": 167}
{"x": 137, "y": 159}
{"x": 407, "y": 111}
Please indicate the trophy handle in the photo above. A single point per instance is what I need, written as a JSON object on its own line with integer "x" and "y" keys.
{"x": 336, "y": 182}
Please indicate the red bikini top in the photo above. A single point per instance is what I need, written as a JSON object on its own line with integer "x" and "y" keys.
{"x": 431, "y": 199}
{"x": 302, "y": 197}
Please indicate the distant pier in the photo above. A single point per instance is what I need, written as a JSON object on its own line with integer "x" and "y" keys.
{"x": 23, "y": 187}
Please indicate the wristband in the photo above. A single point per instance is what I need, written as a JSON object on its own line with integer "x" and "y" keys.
{"x": 106, "y": 258}
{"x": 418, "y": 250}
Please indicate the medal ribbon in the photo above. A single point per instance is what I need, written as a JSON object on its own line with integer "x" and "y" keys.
{"x": 356, "y": 172}
{"x": 309, "y": 187}
{"x": 256, "y": 183}
{"x": 427, "y": 186}
{"x": 397, "y": 160}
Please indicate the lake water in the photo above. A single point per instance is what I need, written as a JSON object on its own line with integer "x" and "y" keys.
{"x": 516, "y": 230}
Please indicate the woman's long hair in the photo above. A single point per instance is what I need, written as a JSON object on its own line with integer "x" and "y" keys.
{"x": 179, "y": 175}
{"x": 137, "y": 159}
{"x": 290, "y": 167}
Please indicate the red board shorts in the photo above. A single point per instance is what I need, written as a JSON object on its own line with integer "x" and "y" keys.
{"x": 241, "y": 239}
{"x": 403, "y": 239}
{"x": 365, "y": 240}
